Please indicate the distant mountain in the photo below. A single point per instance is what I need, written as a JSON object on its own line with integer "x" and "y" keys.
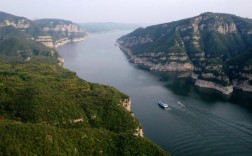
{"x": 18, "y": 41}
{"x": 21, "y": 23}
{"x": 215, "y": 47}
{"x": 61, "y": 31}
{"x": 50, "y": 32}
{"x": 108, "y": 26}
{"x": 22, "y": 39}
{"x": 48, "y": 110}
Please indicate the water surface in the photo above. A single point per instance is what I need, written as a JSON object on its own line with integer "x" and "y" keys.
{"x": 207, "y": 125}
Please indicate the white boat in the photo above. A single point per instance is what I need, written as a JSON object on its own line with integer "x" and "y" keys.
{"x": 163, "y": 105}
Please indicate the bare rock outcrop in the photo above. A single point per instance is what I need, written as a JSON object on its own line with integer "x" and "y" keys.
{"x": 227, "y": 90}
{"x": 19, "y": 24}
{"x": 126, "y": 103}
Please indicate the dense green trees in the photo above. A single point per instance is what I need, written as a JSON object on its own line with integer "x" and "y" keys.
{"x": 46, "y": 109}
{"x": 40, "y": 139}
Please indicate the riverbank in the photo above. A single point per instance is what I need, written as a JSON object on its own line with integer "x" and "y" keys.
{"x": 147, "y": 63}
{"x": 181, "y": 130}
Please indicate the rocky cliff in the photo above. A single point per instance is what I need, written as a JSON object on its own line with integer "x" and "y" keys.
{"x": 126, "y": 103}
{"x": 20, "y": 41}
{"x": 227, "y": 90}
{"x": 50, "y": 32}
{"x": 25, "y": 25}
{"x": 20, "y": 23}
{"x": 208, "y": 46}
{"x": 158, "y": 61}
{"x": 61, "y": 31}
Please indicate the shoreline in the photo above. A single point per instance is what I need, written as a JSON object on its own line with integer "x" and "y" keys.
{"x": 224, "y": 90}
{"x": 126, "y": 103}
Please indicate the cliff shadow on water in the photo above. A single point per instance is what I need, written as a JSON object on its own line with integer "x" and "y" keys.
{"x": 184, "y": 86}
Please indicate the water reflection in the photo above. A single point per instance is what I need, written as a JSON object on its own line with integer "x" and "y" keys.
{"x": 185, "y": 87}
{"x": 208, "y": 124}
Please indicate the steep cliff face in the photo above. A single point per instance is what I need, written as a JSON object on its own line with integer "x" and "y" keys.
{"x": 50, "y": 32}
{"x": 160, "y": 61}
{"x": 15, "y": 21}
{"x": 20, "y": 41}
{"x": 126, "y": 103}
{"x": 61, "y": 31}
{"x": 20, "y": 23}
{"x": 227, "y": 90}
{"x": 46, "y": 40}
{"x": 207, "y": 45}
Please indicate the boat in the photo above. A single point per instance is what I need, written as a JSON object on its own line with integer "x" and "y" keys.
{"x": 163, "y": 105}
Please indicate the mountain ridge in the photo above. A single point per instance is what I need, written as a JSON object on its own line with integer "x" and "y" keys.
{"x": 205, "y": 45}
{"x": 48, "y": 110}
{"x": 45, "y": 30}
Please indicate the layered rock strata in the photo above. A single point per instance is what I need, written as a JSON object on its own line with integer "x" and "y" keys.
{"x": 207, "y": 46}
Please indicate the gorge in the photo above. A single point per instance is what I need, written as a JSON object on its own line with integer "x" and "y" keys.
{"x": 207, "y": 125}
{"x": 46, "y": 109}
{"x": 215, "y": 48}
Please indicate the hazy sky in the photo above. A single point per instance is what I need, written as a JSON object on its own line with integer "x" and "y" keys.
{"x": 126, "y": 11}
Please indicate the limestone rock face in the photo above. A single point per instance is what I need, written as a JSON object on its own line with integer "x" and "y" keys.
{"x": 61, "y": 61}
{"x": 227, "y": 90}
{"x": 136, "y": 41}
{"x": 243, "y": 78}
{"x": 61, "y": 31}
{"x": 70, "y": 28}
{"x": 205, "y": 45}
{"x": 20, "y": 24}
{"x": 220, "y": 24}
{"x": 151, "y": 61}
{"x": 127, "y": 104}
{"x": 46, "y": 40}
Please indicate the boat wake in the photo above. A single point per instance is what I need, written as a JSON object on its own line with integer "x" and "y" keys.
{"x": 198, "y": 132}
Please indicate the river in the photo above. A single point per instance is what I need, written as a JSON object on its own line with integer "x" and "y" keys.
{"x": 206, "y": 124}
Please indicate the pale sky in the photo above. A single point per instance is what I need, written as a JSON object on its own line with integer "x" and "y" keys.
{"x": 125, "y": 11}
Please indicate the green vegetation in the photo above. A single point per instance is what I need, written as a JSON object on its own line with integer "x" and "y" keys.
{"x": 32, "y": 30}
{"x": 18, "y": 45}
{"x": 15, "y": 47}
{"x": 50, "y": 94}
{"x": 168, "y": 37}
{"x": 245, "y": 59}
{"x": 41, "y": 103}
{"x": 47, "y": 110}
{"x": 222, "y": 41}
{"x": 39, "y": 139}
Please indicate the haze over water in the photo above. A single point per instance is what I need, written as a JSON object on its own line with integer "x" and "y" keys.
{"x": 207, "y": 125}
